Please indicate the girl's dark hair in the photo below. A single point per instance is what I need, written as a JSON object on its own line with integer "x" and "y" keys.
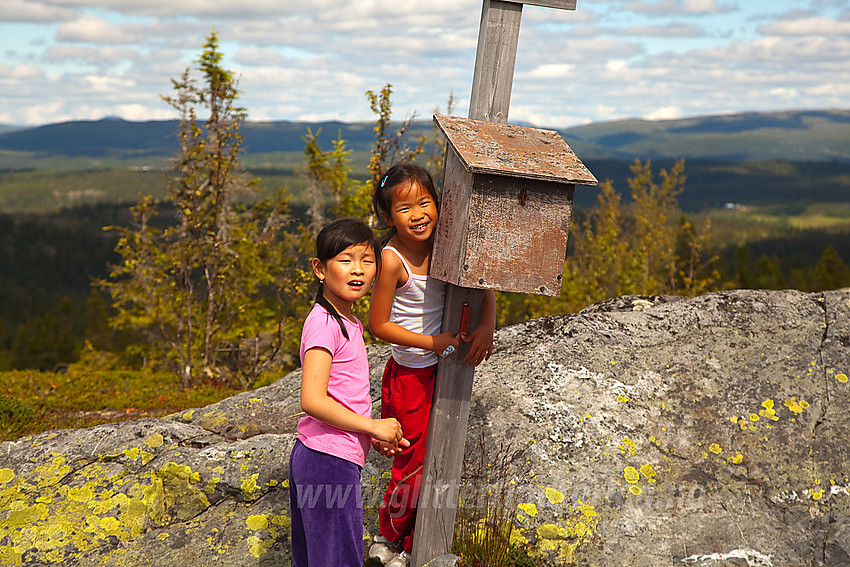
{"x": 333, "y": 239}
{"x": 399, "y": 174}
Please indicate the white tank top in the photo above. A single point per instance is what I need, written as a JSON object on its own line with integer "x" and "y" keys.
{"x": 418, "y": 307}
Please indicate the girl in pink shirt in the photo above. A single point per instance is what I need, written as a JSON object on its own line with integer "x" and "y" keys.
{"x": 334, "y": 437}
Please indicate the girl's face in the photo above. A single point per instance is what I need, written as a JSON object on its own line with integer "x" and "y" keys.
{"x": 413, "y": 212}
{"x": 348, "y": 275}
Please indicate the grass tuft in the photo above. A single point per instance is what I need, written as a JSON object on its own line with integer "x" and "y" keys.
{"x": 487, "y": 504}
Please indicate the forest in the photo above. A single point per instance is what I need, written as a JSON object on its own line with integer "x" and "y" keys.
{"x": 103, "y": 285}
{"x": 48, "y": 262}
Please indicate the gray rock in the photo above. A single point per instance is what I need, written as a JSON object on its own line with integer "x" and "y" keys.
{"x": 660, "y": 431}
{"x": 706, "y": 431}
{"x": 450, "y": 560}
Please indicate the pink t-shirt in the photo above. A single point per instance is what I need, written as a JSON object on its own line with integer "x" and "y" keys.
{"x": 348, "y": 384}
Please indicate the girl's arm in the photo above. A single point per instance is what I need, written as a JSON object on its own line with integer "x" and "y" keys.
{"x": 315, "y": 401}
{"x": 382, "y": 304}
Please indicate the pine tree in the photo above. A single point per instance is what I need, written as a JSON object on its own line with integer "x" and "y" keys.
{"x": 831, "y": 272}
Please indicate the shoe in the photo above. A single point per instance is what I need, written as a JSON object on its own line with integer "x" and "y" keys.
{"x": 400, "y": 560}
{"x": 384, "y": 550}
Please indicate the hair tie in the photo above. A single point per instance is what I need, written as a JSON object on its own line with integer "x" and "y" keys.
{"x": 321, "y": 300}
{"x": 384, "y": 181}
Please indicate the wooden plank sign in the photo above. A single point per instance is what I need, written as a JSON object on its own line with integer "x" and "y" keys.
{"x": 511, "y": 199}
{"x": 560, "y": 4}
{"x": 507, "y": 203}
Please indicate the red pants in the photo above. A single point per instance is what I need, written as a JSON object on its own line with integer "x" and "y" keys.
{"x": 406, "y": 395}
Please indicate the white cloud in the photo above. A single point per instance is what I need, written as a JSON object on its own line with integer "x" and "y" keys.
{"x": 32, "y": 11}
{"x": 303, "y": 59}
{"x": 103, "y": 57}
{"x": 17, "y": 72}
{"x": 678, "y": 7}
{"x": 665, "y": 113}
{"x": 141, "y": 112}
{"x": 91, "y": 29}
{"x": 101, "y": 84}
{"x": 807, "y": 26}
{"x": 551, "y": 71}
{"x": 668, "y": 30}
{"x": 261, "y": 57}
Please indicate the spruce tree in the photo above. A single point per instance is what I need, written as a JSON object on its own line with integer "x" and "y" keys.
{"x": 200, "y": 291}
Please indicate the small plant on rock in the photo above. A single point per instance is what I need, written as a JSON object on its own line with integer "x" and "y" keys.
{"x": 487, "y": 504}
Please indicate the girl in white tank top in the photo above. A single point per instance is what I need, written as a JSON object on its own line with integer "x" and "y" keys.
{"x": 407, "y": 311}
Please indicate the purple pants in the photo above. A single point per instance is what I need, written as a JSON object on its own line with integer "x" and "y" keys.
{"x": 326, "y": 507}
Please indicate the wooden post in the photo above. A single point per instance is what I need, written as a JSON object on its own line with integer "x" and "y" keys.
{"x": 495, "y": 59}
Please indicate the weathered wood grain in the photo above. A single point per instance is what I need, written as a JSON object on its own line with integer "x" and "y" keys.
{"x": 558, "y": 4}
{"x": 495, "y": 59}
{"x": 514, "y": 151}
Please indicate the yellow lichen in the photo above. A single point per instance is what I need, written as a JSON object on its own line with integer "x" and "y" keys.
{"x": 796, "y": 406}
{"x": 631, "y": 475}
{"x": 80, "y": 494}
{"x": 214, "y": 419}
{"x": 155, "y": 440}
{"x": 554, "y": 496}
{"x": 715, "y": 448}
{"x": 257, "y": 522}
{"x": 6, "y": 476}
{"x": 552, "y": 531}
{"x": 110, "y": 525}
{"x": 841, "y": 377}
{"x": 528, "y": 508}
{"x": 768, "y": 411}
{"x": 577, "y": 528}
{"x": 738, "y": 459}
{"x": 136, "y": 454}
{"x": 648, "y": 472}
{"x": 255, "y": 546}
{"x": 635, "y": 489}
{"x": 249, "y": 487}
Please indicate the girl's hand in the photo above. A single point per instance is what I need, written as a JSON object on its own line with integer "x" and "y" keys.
{"x": 443, "y": 341}
{"x": 388, "y": 449}
{"x": 389, "y": 431}
{"x": 482, "y": 345}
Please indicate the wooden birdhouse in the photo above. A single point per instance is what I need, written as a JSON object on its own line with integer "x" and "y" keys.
{"x": 506, "y": 206}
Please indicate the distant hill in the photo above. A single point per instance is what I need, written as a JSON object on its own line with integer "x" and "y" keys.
{"x": 803, "y": 135}
{"x": 118, "y": 138}
{"x": 9, "y": 128}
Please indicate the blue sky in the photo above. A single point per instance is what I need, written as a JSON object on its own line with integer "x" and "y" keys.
{"x": 314, "y": 60}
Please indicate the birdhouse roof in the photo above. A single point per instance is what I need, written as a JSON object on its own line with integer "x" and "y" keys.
{"x": 513, "y": 151}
